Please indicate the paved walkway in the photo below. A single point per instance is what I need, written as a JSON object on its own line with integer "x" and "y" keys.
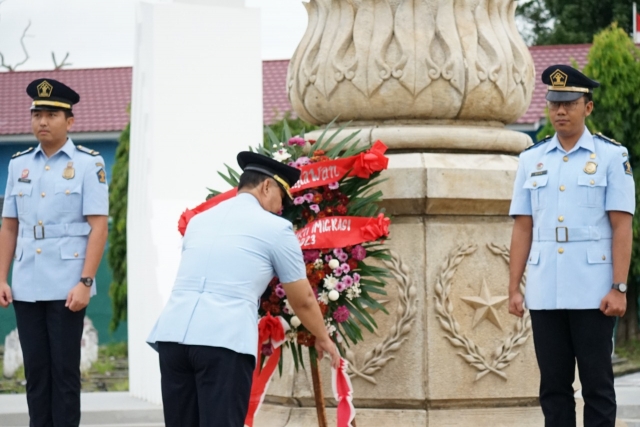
{"x": 118, "y": 409}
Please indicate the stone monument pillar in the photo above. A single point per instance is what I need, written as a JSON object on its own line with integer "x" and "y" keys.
{"x": 436, "y": 81}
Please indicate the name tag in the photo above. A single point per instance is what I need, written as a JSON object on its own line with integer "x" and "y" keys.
{"x": 28, "y": 181}
{"x": 538, "y": 173}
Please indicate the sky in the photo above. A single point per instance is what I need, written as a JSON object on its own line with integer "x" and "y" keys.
{"x": 101, "y": 33}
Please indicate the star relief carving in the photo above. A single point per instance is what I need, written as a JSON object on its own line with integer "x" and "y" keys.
{"x": 486, "y": 306}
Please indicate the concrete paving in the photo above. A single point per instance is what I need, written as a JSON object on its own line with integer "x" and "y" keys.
{"x": 119, "y": 409}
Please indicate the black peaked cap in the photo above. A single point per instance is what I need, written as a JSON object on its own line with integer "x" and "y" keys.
{"x": 255, "y": 162}
{"x": 565, "y": 83}
{"x": 49, "y": 94}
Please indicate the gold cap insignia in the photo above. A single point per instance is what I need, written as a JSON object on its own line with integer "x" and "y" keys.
{"x": 558, "y": 79}
{"x": 44, "y": 89}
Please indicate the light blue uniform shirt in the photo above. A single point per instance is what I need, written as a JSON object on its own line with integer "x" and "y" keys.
{"x": 569, "y": 266}
{"x": 53, "y": 231}
{"x": 229, "y": 255}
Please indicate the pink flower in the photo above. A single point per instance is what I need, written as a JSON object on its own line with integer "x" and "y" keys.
{"x": 298, "y": 200}
{"x": 267, "y": 349}
{"x": 348, "y": 281}
{"x": 340, "y": 286}
{"x": 303, "y": 161}
{"x": 338, "y": 251}
{"x": 358, "y": 253}
{"x": 356, "y": 277}
{"x": 343, "y": 257}
{"x": 327, "y": 258}
{"x": 314, "y": 208}
{"x": 345, "y": 268}
{"x": 308, "y": 197}
{"x": 337, "y": 272}
{"x": 296, "y": 140}
{"x": 334, "y": 186}
{"x": 341, "y": 314}
{"x": 293, "y": 164}
{"x": 310, "y": 255}
{"x": 280, "y": 292}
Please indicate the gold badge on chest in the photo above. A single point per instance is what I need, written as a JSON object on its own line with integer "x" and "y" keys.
{"x": 69, "y": 172}
{"x": 591, "y": 168}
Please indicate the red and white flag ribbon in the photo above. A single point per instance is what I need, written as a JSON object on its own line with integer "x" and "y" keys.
{"x": 343, "y": 393}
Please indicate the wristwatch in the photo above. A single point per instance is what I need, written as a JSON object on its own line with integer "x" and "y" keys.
{"x": 87, "y": 281}
{"x": 621, "y": 287}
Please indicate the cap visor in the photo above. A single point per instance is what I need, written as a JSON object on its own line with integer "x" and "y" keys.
{"x": 556, "y": 96}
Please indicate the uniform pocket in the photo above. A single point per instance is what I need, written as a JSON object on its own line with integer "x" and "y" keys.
{"x": 591, "y": 190}
{"x": 534, "y": 258}
{"x": 537, "y": 186}
{"x": 73, "y": 251}
{"x": 598, "y": 256}
{"x": 22, "y": 194}
{"x": 68, "y": 197}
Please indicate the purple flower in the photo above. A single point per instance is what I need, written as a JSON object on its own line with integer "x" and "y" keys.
{"x": 345, "y": 268}
{"x": 267, "y": 349}
{"x": 327, "y": 258}
{"x": 293, "y": 164}
{"x": 296, "y": 140}
{"x": 356, "y": 277}
{"x": 298, "y": 200}
{"x": 341, "y": 314}
{"x": 334, "y": 186}
{"x": 308, "y": 197}
{"x": 340, "y": 286}
{"x": 337, "y": 271}
{"x": 358, "y": 253}
{"x": 303, "y": 161}
{"x": 338, "y": 251}
{"x": 314, "y": 208}
{"x": 310, "y": 255}
{"x": 280, "y": 292}
{"x": 348, "y": 281}
{"x": 343, "y": 257}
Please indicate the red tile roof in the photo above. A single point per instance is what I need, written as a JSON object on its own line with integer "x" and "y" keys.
{"x": 543, "y": 57}
{"x": 106, "y": 92}
{"x": 104, "y": 96}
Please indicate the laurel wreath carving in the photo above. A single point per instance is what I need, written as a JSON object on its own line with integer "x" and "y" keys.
{"x": 380, "y": 355}
{"x": 471, "y": 353}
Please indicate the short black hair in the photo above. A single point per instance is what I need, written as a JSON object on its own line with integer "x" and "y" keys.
{"x": 68, "y": 113}
{"x": 251, "y": 179}
{"x": 588, "y": 97}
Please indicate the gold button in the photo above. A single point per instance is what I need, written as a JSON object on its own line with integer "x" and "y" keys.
{"x": 604, "y": 257}
{"x": 560, "y": 218}
{"x": 535, "y": 184}
{"x": 39, "y": 222}
{"x": 562, "y": 188}
{"x": 593, "y": 155}
{"x": 38, "y": 250}
{"x": 592, "y": 182}
{"x": 76, "y": 255}
{"x": 561, "y": 251}
{"x": 47, "y": 168}
{"x": 565, "y": 158}
{"x": 20, "y": 194}
{"x": 67, "y": 192}
{"x": 43, "y": 194}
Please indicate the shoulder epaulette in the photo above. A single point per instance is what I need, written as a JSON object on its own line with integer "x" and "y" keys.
{"x": 607, "y": 139}
{"x": 539, "y": 143}
{"x": 22, "y": 153}
{"x": 87, "y": 150}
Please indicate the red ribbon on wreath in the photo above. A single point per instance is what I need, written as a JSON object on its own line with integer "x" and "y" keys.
{"x": 342, "y": 231}
{"x": 312, "y": 175}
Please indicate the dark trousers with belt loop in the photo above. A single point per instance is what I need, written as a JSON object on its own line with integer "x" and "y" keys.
{"x": 50, "y": 336}
{"x": 204, "y": 386}
{"x": 561, "y": 338}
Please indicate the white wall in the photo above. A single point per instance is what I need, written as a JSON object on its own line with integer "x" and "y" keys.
{"x": 197, "y": 101}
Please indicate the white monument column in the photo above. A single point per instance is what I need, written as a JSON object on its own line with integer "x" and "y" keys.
{"x": 197, "y": 101}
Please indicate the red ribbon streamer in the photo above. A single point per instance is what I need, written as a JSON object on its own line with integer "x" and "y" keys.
{"x": 343, "y": 393}
{"x": 311, "y": 176}
{"x": 341, "y": 231}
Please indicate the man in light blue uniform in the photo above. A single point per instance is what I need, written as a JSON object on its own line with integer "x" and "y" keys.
{"x": 207, "y": 334}
{"x": 54, "y": 228}
{"x": 573, "y": 202}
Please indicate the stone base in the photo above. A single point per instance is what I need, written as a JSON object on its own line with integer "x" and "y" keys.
{"x": 281, "y": 416}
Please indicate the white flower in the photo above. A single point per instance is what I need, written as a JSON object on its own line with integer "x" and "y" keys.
{"x": 330, "y": 282}
{"x": 295, "y": 321}
{"x": 323, "y": 297}
{"x": 334, "y": 295}
{"x": 331, "y": 329}
{"x": 281, "y": 155}
{"x": 333, "y": 264}
{"x": 287, "y": 307}
{"x": 291, "y": 335}
{"x": 354, "y": 291}
{"x": 318, "y": 264}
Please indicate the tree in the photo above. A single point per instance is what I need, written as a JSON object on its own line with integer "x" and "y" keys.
{"x": 614, "y": 61}
{"x": 572, "y": 21}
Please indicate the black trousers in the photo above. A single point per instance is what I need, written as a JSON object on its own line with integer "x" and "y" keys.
{"x": 50, "y": 336}
{"x": 204, "y": 386}
{"x": 561, "y": 337}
